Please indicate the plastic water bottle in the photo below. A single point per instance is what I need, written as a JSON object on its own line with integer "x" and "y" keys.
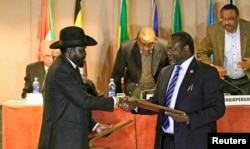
{"x": 36, "y": 85}
{"x": 112, "y": 88}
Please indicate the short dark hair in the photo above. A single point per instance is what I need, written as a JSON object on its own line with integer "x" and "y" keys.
{"x": 230, "y": 7}
{"x": 185, "y": 39}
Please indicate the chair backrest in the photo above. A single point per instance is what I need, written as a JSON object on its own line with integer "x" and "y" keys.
{"x": 146, "y": 94}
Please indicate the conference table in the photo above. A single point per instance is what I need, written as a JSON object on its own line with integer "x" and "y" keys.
{"x": 21, "y": 123}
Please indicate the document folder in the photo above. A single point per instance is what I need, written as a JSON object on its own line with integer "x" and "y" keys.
{"x": 110, "y": 130}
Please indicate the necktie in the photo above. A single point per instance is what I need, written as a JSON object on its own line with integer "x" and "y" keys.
{"x": 169, "y": 94}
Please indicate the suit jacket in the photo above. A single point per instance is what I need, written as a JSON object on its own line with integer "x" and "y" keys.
{"x": 214, "y": 43}
{"x": 67, "y": 118}
{"x": 33, "y": 70}
{"x": 128, "y": 64}
{"x": 200, "y": 96}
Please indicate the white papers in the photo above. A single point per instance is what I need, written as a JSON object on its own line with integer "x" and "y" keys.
{"x": 34, "y": 99}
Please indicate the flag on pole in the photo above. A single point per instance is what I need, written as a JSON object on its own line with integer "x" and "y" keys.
{"x": 155, "y": 18}
{"x": 47, "y": 26}
{"x": 211, "y": 14}
{"x": 78, "y": 23}
{"x": 211, "y": 20}
{"x": 123, "y": 29}
{"x": 78, "y": 14}
{"x": 176, "y": 17}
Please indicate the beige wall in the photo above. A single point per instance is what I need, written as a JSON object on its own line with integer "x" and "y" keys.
{"x": 20, "y": 24}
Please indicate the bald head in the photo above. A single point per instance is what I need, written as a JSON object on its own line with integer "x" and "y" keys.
{"x": 146, "y": 40}
{"x": 46, "y": 52}
{"x": 146, "y": 33}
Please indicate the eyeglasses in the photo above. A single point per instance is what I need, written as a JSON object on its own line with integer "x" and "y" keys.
{"x": 230, "y": 19}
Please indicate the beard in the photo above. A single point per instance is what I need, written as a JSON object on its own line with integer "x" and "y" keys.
{"x": 79, "y": 62}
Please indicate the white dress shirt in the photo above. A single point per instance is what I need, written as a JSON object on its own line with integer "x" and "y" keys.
{"x": 232, "y": 55}
{"x": 184, "y": 67}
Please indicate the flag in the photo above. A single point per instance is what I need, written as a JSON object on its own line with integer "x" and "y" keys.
{"x": 47, "y": 26}
{"x": 176, "y": 17}
{"x": 123, "y": 30}
{"x": 78, "y": 23}
{"x": 78, "y": 14}
{"x": 211, "y": 20}
{"x": 155, "y": 18}
{"x": 211, "y": 14}
{"x": 232, "y": 2}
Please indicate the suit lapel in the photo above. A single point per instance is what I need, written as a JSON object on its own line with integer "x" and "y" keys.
{"x": 165, "y": 78}
{"x": 188, "y": 76}
{"x": 243, "y": 38}
{"x": 40, "y": 70}
{"x": 156, "y": 57}
{"x": 220, "y": 38}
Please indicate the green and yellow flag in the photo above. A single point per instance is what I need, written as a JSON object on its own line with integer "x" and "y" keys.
{"x": 123, "y": 29}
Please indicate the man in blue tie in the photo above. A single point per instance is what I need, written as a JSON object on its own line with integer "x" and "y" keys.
{"x": 189, "y": 86}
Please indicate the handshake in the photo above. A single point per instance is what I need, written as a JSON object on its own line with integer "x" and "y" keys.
{"x": 125, "y": 103}
{"x": 128, "y": 104}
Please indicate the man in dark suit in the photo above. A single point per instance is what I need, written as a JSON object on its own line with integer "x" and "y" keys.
{"x": 139, "y": 62}
{"x": 229, "y": 42}
{"x": 38, "y": 69}
{"x": 198, "y": 92}
{"x": 67, "y": 119}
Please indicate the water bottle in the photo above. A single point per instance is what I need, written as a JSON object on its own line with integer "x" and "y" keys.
{"x": 35, "y": 85}
{"x": 112, "y": 87}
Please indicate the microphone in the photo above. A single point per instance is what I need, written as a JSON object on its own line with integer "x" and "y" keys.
{"x": 234, "y": 86}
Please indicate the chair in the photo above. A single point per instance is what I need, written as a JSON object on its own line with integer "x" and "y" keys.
{"x": 146, "y": 94}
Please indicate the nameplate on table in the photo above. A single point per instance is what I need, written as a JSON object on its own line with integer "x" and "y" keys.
{"x": 237, "y": 99}
{"x": 34, "y": 99}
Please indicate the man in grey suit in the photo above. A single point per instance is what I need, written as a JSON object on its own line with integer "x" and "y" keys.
{"x": 67, "y": 118}
{"x": 38, "y": 69}
{"x": 139, "y": 62}
{"x": 198, "y": 92}
{"x": 229, "y": 42}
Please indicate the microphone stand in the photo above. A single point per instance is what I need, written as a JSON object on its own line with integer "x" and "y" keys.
{"x": 231, "y": 84}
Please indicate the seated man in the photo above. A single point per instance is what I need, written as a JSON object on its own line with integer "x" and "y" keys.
{"x": 38, "y": 69}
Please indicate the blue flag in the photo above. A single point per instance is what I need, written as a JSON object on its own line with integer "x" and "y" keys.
{"x": 155, "y": 18}
{"x": 211, "y": 14}
{"x": 211, "y": 20}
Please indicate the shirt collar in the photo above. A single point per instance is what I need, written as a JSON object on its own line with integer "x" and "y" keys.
{"x": 186, "y": 63}
{"x": 73, "y": 64}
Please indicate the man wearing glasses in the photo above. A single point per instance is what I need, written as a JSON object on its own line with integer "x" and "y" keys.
{"x": 229, "y": 42}
{"x": 139, "y": 62}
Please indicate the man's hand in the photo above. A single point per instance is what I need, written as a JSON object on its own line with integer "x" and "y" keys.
{"x": 102, "y": 127}
{"x": 245, "y": 64}
{"x": 180, "y": 118}
{"x": 221, "y": 70}
{"x": 125, "y": 105}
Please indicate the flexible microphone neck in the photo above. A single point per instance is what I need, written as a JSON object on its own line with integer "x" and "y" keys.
{"x": 236, "y": 87}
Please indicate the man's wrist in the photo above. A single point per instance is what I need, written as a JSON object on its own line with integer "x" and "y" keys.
{"x": 116, "y": 100}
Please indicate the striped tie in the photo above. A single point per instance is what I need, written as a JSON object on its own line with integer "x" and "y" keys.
{"x": 169, "y": 95}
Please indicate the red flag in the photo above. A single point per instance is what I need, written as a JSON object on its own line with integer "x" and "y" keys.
{"x": 47, "y": 27}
